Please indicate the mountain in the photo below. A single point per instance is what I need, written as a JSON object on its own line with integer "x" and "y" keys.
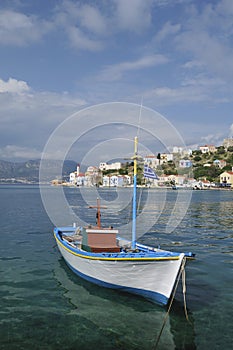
{"x": 28, "y": 172}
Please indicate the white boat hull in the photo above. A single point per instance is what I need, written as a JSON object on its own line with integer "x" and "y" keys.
{"x": 152, "y": 279}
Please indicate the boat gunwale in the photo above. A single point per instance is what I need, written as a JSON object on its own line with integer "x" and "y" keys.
{"x": 145, "y": 256}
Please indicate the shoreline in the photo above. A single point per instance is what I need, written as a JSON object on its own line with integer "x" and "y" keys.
{"x": 114, "y": 187}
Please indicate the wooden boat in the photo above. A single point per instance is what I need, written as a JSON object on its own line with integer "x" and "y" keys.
{"x": 100, "y": 256}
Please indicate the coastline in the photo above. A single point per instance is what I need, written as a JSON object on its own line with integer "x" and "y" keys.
{"x": 28, "y": 183}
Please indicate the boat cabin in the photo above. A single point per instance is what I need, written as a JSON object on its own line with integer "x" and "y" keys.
{"x": 97, "y": 240}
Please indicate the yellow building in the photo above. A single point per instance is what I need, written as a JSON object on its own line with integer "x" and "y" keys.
{"x": 226, "y": 178}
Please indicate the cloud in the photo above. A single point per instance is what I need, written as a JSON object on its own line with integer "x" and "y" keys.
{"x": 92, "y": 19}
{"x": 87, "y": 17}
{"x": 115, "y": 72}
{"x": 231, "y": 131}
{"x": 17, "y": 152}
{"x": 212, "y": 139}
{"x": 89, "y": 26}
{"x": 83, "y": 24}
{"x": 167, "y": 30}
{"x": 13, "y": 86}
{"x": 207, "y": 35}
{"x": 81, "y": 41}
{"x": 28, "y": 118}
{"x": 166, "y": 95}
{"x": 18, "y": 29}
{"x": 134, "y": 16}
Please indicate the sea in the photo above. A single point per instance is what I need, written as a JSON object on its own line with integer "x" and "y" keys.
{"x": 44, "y": 305}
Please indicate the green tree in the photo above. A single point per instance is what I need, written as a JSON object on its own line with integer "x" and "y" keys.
{"x": 220, "y": 150}
{"x": 197, "y": 158}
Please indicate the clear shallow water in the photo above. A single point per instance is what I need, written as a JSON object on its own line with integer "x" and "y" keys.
{"x": 43, "y": 305}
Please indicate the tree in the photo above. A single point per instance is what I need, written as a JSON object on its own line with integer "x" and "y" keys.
{"x": 197, "y": 158}
{"x": 210, "y": 173}
{"x": 220, "y": 150}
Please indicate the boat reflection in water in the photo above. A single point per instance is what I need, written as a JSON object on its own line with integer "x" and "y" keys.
{"x": 118, "y": 320}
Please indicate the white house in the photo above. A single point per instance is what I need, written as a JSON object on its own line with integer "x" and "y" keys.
{"x": 226, "y": 178}
{"x": 220, "y": 163}
{"x": 106, "y": 181}
{"x": 116, "y": 180}
{"x": 81, "y": 180}
{"x": 152, "y": 161}
{"x": 182, "y": 151}
{"x": 185, "y": 163}
{"x": 93, "y": 176}
{"x": 207, "y": 149}
{"x": 166, "y": 157}
{"x": 74, "y": 175}
{"x": 112, "y": 166}
{"x": 177, "y": 150}
{"x": 73, "y": 178}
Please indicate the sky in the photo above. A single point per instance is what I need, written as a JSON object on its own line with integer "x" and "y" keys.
{"x": 59, "y": 57}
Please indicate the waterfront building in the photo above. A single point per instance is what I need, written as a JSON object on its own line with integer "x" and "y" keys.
{"x": 119, "y": 180}
{"x": 226, "y": 178}
{"x": 152, "y": 161}
{"x": 93, "y": 176}
{"x": 112, "y": 166}
{"x": 74, "y": 175}
{"x": 106, "y": 181}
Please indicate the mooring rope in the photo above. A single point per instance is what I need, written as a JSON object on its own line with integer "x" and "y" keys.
{"x": 172, "y": 299}
{"x": 184, "y": 294}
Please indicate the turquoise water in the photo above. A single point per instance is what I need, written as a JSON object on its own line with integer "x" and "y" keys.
{"x": 43, "y": 305}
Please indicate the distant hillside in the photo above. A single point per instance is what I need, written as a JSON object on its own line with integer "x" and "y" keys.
{"x": 29, "y": 171}
{"x": 203, "y": 164}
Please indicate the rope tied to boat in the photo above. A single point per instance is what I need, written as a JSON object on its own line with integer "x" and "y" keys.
{"x": 181, "y": 272}
{"x": 184, "y": 292}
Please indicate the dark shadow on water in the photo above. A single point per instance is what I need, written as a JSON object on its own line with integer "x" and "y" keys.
{"x": 136, "y": 309}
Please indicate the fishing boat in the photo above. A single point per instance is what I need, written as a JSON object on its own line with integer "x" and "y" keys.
{"x": 98, "y": 254}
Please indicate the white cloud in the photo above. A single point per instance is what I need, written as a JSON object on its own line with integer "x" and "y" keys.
{"x": 28, "y": 119}
{"x": 168, "y": 96}
{"x": 225, "y": 7}
{"x": 163, "y": 3}
{"x": 134, "y": 16}
{"x": 203, "y": 81}
{"x": 206, "y": 36}
{"x": 13, "y": 86}
{"x": 17, "y": 152}
{"x": 81, "y": 41}
{"x": 19, "y": 29}
{"x": 167, "y": 30}
{"x": 92, "y": 19}
{"x": 231, "y": 130}
{"x": 192, "y": 64}
{"x": 212, "y": 139}
{"x": 88, "y": 26}
{"x": 115, "y": 72}
{"x": 84, "y": 25}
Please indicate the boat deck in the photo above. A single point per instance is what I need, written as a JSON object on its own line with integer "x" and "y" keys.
{"x": 71, "y": 238}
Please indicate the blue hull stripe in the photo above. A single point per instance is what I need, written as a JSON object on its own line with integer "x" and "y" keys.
{"x": 152, "y": 296}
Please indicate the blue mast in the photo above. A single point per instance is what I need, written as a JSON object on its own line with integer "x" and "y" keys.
{"x": 134, "y": 214}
